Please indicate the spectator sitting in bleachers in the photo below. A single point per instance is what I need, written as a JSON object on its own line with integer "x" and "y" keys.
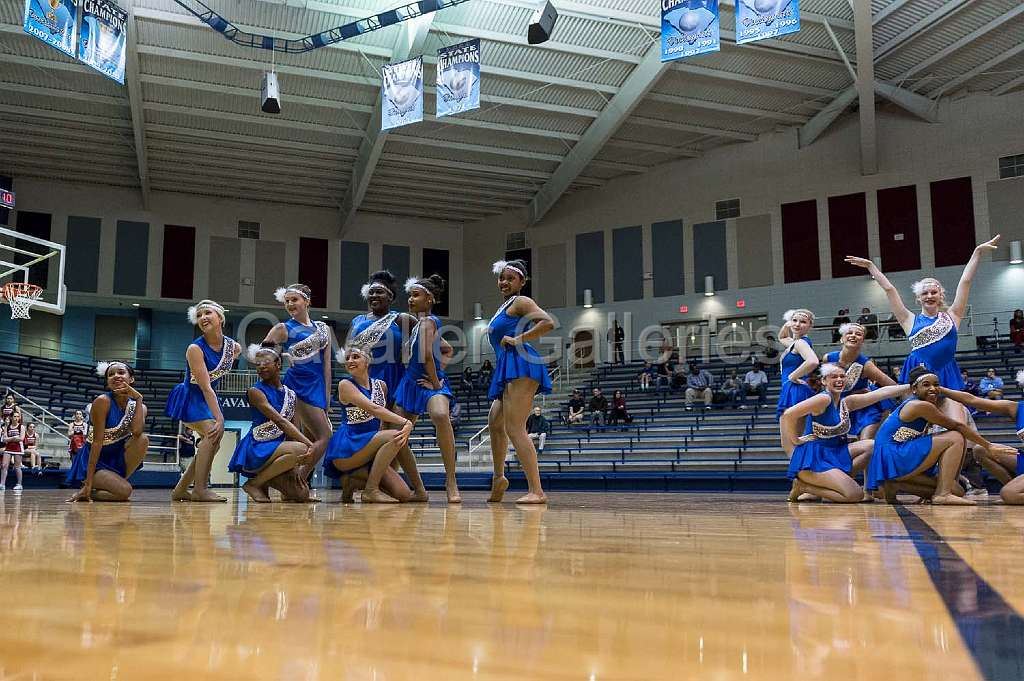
{"x": 31, "y": 442}
{"x": 680, "y": 376}
{"x": 469, "y": 379}
{"x": 647, "y": 374}
{"x": 1017, "y": 330}
{"x": 538, "y": 428}
{"x": 662, "y": 375}
{"x": 576, "y": 408}
{"x": 895, "y": 330}
{"x": 618, "y": 411}
{"x": 455, "y": 414}
{"x": 598, "y": 408}
{"x": 869, "y": 320}
{"x": 699, "y": 382}
{"x": 991, "y": 387}
{"x": 731, "y": 390}
{"x": 770, "y": 351}
{"x": 483, "y": 377}
{"x": 970, "y": 386}
{"x": 756, "y": 381}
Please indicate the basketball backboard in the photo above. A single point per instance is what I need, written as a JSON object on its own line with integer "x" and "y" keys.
{"x": 18, "y": 252}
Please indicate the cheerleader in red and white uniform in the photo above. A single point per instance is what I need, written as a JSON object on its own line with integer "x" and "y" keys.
{"x": 30, "y": 444}
{"x": 14, "y": 434}
{"x": 77, "y": 430}
{"x": 8, "y": 409}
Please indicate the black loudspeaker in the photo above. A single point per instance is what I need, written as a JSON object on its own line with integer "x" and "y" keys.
{"x": 271, "y": 97}
{"x": 542, "y": 24}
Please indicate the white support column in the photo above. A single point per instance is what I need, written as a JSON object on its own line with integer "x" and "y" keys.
{"x": 866, "y": 88}
{"x": 648, "y": 259}
{"x": 135, "y": 102}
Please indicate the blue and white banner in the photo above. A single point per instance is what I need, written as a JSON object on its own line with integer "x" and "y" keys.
{"x": 688, "y": 28}
{"x": 458, "y": 78}
{"x": 101, "y": 43}
{"x": 760, "y": 19}
{"x": 402, "y": 94}
{"x": 54, "y": 22}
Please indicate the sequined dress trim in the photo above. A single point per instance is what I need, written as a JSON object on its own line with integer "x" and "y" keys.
{"x": 819, "y": 431}
{"x": 357, "y": 415}
{"x": 227, "y": 358}
{"x": 123, "y": 428}
{"x": 906, "y": 434}
{"x": 933, "y": 333}
{"x": 312, "y": 344}
{"x": 371, "y": 335}
{"x": 268, "y": 430}
{"x": 852, "y": 375}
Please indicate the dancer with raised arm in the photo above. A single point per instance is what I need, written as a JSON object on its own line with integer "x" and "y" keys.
{"x": 1005, "y": 466}
{"x": 308, "y": 345}
{"x": 117, "y": 442}
{"x": 519, "y": 374}
{"x": 797, "y": 361}
{"x": 194, "y": 402}
{"x": 860, "y": 371}
{"x": 273, "y": 445}
{"x": 822, "y": 463}
{"x": 906, "y": 451}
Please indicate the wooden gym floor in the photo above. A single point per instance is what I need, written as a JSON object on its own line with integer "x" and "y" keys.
{"x": 598, "y": 586}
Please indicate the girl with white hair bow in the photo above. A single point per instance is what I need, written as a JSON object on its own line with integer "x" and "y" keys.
{"x": 797, "y": 360}
{"x": 194, "y": 402}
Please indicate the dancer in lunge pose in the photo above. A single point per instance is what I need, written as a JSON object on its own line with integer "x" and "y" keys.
{"x": 116, "y": 443}
{"x": 194, "y": 402}
{"x": 860, "y": 370}
{"x": 519, "y": 374}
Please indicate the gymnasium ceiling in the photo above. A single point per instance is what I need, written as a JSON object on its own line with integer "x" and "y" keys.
{"x": 188, "y": 118}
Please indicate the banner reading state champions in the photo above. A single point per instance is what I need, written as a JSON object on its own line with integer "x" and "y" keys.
{"x": 102, "y": 40}
{"x": 760, "y": 19}
{"x": 458, "y": 78}
{"x": 688, "y": 28}
{"x": 53, "y": 22}
{"x": 402, "y": 94}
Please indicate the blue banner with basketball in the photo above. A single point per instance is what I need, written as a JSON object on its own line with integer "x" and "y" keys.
{"x": 402, "y": 94}
{"x": 102, "y": 38}
{"x": 760, "y": 19}
{"x": 689, "y": 28}
{"x": 458, "y": 78}
{"x": 54, "y": 22}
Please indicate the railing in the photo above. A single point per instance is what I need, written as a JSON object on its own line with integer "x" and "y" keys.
{"x": 47, "y": 424}
{"x": 238, "y": 381}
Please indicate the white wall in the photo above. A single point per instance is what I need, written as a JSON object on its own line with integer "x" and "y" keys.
{"x": 973, "y": 134}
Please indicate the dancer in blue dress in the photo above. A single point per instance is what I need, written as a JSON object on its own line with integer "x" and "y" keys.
{"x": 360, "y": 441}
{"x": 424, "y": 387}
{"x": 194, "y": 402}
{"x": 308, "y": 345}
{"x": 933, "y": 332}
{"x": 822, "y": 463}
{"x": 118, "y": 418}
{"x": 273, "y": 446}
{"x": 520, "y": 373}
{"x": 861, "y": 372}
{"x": 905, "y": 451}
{"x": 381, "y": 330}
{"x": 1005, "y": 466}
{"x": 797, "y": 361}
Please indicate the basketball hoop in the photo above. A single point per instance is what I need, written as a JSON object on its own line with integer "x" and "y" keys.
{"x": 20, "y": 297}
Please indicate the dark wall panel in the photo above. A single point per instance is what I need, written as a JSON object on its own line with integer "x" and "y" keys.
{"x": 37, "y": 225}
{"x": 848, "y": 232}
{"x": 396, "y": 260}
{"x": 1005, "y": 208}
{"x": 313, "y": 268}
{"x": 83, "y": 254}
{"x": 800, "y": 241}
{"x": 898, "y": 233}
{"x": 709, "y": 255}
{"x": 753, "y": 251}
{"x": 667, "y": 251}
{"x": 952, "y": 221}
{"x": 355, "y": 266}
{"x": 225, "y": 268}
{"x": 131, "y": 258}
{"x": 435, "y": 261}
{"x": 552, "y": 271}
{"x": 6, "y": 182}
{"x": 270, "y": 260}
{"x": 179, "y": 262}
{"x": 628, "y": 263}
{"x": 590, "y": 266}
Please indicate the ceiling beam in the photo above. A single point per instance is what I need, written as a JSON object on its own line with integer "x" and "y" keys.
{"x": 690, "y": 127}
{"x": 1008, "y": 86}
{"x": 33, "y": 112}
{"x": 911, "y": 102}
{"x": 745, "y": 79}
{"x": 979, "y": 70}
{"x": 888, "y": 10}
{"x": 820, "y": 122}
{"x": 257, "y": 141}
{"x": 412, "y": 35}
{"x": 921, "y": 26}
{"x": 234, "y": 117}
{"x": 131, "y": 77}
{"x": 637, "y": 85}
{"x": 866, "y": 88}
{"x": 725, "y": 108}
{"x": 654, "y": 148}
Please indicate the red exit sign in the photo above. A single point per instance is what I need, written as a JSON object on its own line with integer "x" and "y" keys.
{"x": 6, "y": 199}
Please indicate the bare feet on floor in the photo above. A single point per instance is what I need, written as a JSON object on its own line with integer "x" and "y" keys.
{"x": 419, "y": 496}
{"x": 181, "y": 496}
{"x": 498, "y": 487}
{"x": 206, "y": 496}
{"x": 533, "y": 498}
{"x": 453, "y": 493}
{"x": 375, "y": 496}
{"x": 255, "y": 493}
{"x": 952, "y": 500}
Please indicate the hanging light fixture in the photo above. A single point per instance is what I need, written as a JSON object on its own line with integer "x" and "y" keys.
{"x": 1015, "y": 253}
{"x": 478, "y": 311}
{"x": 709, "y": 285}
{"x": 588, "y": 298}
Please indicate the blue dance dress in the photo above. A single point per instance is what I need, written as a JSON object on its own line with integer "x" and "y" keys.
{"x": 357, "y": 428}
{"x": 856, "y": 383}
{"x": 259, "y": 444}
{"x": 115, "y": 437}
{"x": 823, "y": 445}
{"x": 1020, "y": 436}
{"x": 791, "y": 393}
{"x": 411, "y": 396}
{"x": 900, "y": 448}
{"x": 384, "y": 338}
{"x": 306, "y": 348}
{"x": 933, "y": 345}
{"x": 516, "y": 362}
{"x": 186, "y": 402}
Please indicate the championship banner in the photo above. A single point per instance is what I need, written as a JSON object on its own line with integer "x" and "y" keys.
{"x": 101, "y": 43}
{"x": 760, "y": 19}
{"x": 458, "y": 78}
{"x": 688, "y": 28}
{"x": 53, "y": 22}
{"x": 402, "y": 94}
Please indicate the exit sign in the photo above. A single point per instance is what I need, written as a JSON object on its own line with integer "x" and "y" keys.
{"x": 6, "y": 199}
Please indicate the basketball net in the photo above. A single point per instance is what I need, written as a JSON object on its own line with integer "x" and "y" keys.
{"x": 20, "y": 297}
